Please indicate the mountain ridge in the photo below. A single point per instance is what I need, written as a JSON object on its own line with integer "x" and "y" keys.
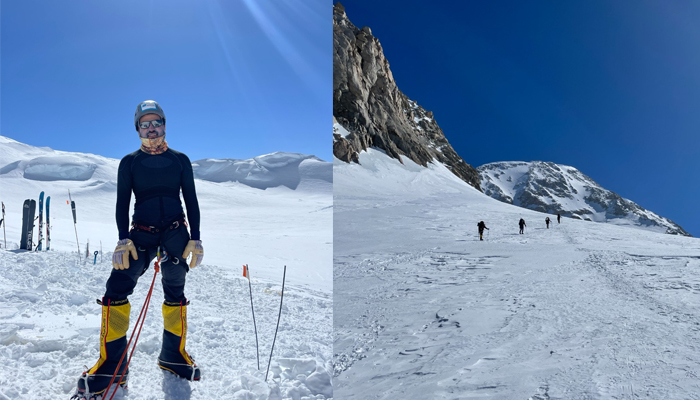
{"x": 562, "y": 189}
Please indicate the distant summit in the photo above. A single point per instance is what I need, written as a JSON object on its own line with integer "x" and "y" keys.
{"x": 368, "y": 104}
{"x": 560, "y": 189}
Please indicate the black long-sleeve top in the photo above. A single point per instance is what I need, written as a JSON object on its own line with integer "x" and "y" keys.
{"x": 156, "y": 181}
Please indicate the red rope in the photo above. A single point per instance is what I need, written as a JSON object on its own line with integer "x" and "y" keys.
{"x": 139, "y": 324}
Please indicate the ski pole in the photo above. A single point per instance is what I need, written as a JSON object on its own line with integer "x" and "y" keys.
{"x": 3, "y": 225}
{"x": 246, "y": 273}
{"x": 33, "y": 225}
{"x": 75, "y": 222}
{"x": 278, "y": 324}
{"x": 95, "y": 262}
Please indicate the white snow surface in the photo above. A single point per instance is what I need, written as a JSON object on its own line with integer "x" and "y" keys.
{"x": 339, "y": 129}
{"x": 49, "y": 320}
{"x": 424, "y": 310}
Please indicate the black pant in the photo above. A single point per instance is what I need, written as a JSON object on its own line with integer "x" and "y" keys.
{"x": 121, "y": 282}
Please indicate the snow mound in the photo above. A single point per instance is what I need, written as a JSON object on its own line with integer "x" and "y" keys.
{"x": 263, "y": 172}
{"x": 46, "y": 165}
{"x": 60, "y": 168}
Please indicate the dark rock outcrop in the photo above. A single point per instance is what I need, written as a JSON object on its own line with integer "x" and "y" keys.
{"x": 367, "y": 102}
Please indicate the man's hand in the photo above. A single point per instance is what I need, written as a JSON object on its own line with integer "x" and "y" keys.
{"x": 120, "y": 258}
{"x": 195, "y": 248}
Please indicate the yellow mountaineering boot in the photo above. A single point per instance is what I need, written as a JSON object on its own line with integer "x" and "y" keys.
{"x": 173, "y": 356}
{"x": 115, "y": 323}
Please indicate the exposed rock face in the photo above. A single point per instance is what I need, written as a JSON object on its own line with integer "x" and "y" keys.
{"x": 559, "y": 189}
{"x": 367, "y": 102}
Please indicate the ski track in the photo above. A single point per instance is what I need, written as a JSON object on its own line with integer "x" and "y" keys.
{"x": 49, "y": 328}
{"x": 564, "y": 313}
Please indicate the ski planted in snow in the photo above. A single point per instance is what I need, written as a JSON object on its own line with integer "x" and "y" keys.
{"x": 25, "y": 224}
{"x": 28, "y": 210}
{"x": 48, "y": 224}
{"x": 41, "y": 222}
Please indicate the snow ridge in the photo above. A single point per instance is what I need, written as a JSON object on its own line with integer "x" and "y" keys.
{"x": 263, "y": 172}
{"x": 291, "y": 170}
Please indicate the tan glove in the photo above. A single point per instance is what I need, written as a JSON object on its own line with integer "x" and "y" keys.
{"x": 195, "y": 248}
{"x": 120, "y": 258}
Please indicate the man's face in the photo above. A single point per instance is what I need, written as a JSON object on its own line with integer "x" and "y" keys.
{"x": 151, "y": 132}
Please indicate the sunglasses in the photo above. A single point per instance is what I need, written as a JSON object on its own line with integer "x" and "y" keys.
{"x": 156, "y": 123}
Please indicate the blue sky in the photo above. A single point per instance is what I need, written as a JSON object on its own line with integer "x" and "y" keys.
{"x": 236, "y": 79}
{"x": 609, "y": 87}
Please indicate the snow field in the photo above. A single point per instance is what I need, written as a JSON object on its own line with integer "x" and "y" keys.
{"x": 49, "y": 320}
{"x": 50, "y": 326}
{"x": 423, "y": 309}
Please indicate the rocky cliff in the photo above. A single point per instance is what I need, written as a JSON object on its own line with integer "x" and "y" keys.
{"x": 560, "y": 189}
{"x": 370, "y": 106}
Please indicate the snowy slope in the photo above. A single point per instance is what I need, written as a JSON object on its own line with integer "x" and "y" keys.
{"x": 561, "y": 189}
{"x": 423, "y": 309}
{"x": 49, "y": 322}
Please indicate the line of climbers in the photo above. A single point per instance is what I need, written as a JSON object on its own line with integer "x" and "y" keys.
{"x": 481, "y": 225}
